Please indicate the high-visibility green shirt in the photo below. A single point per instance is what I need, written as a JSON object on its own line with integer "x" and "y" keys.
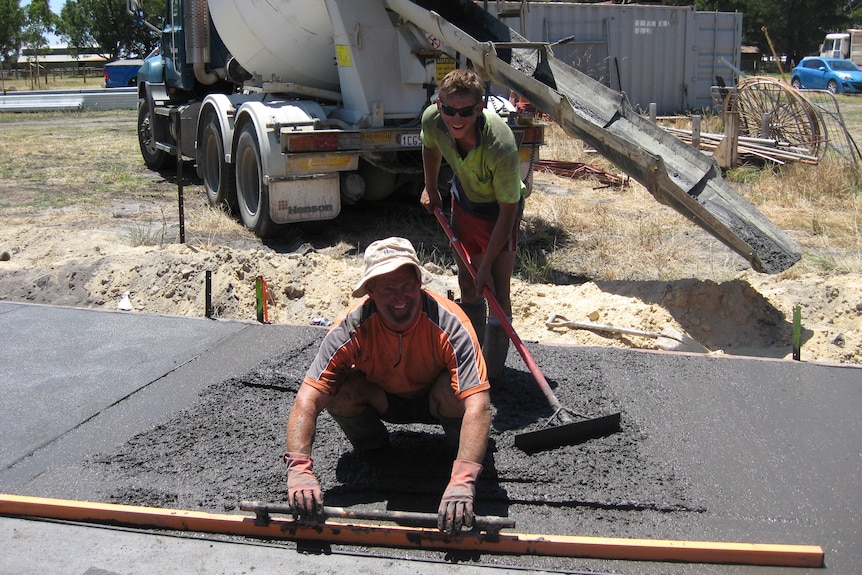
{"x": 491, "y": 171}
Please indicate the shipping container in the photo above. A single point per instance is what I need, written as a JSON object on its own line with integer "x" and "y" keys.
{"x": 667, "y": 55}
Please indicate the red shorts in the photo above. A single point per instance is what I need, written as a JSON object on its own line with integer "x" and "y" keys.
{"x": 475, "y": 233}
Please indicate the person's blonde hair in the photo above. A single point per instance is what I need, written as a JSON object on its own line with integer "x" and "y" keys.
{"x": 461, "y": 81}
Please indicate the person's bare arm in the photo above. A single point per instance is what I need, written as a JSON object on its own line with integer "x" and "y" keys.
{"x": 303, "y": 490}
{"x": 432, "y": 159}
{"x": 302, "y": 422}
{"x": 475, "y": 427}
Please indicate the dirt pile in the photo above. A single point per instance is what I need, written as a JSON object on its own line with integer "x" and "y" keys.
{"x": 748, "y": 315}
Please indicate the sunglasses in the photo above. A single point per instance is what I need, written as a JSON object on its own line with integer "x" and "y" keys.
{"x": 464, "y": 112}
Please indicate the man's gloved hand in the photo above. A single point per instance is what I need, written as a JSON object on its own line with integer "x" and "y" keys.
{"x": 456, "y": 506}
{"x": 303, "y": 490}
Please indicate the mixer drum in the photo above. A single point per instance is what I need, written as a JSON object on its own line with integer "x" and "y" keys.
{"x": 289, "y": 40}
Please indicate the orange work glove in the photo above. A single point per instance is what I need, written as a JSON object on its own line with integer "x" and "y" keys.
{"x": 303, "y": 490}
{"x": 456, "y": 506}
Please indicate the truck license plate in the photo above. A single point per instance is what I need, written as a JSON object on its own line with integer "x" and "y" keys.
{"x": 411, "y": 140}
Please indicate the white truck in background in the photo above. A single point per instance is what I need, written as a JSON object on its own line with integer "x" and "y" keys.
{"x": 290, "y": 108}
{"x": 846, "y": 45}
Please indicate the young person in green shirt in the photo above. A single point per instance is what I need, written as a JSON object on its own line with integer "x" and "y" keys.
{"x": 487, "y": 198}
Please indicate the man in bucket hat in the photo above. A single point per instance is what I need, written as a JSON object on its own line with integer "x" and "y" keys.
{"x": 362, "y": 376}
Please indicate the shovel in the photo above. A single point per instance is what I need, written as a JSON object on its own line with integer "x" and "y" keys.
{"x": 570, "y": 432}
{"x": 668, "y": 339}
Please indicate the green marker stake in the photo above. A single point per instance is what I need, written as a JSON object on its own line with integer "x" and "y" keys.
{"x": 258, "y": 289}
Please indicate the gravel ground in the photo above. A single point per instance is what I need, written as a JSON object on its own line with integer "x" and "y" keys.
{"x": 226, "y": 449}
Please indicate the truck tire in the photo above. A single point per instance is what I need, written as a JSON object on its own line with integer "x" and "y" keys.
{"x": 154, "y": 158}
{"x": 218, "y": 175}
{"x": 252, "y": 193}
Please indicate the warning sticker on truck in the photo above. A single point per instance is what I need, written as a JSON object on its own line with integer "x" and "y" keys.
{"x": 343, "y": 57}
{"x": 443, "y": 67}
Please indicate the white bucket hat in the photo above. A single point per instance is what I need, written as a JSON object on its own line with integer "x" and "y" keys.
{"x": 384, "y": 256}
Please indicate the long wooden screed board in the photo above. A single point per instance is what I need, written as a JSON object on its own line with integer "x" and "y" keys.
{"x": 417, "y": 538}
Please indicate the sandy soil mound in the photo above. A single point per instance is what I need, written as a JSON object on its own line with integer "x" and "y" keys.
{"x": 76, "y": 265}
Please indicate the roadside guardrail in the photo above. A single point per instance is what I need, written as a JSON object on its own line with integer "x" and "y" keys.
{"x": 69, "y": 100}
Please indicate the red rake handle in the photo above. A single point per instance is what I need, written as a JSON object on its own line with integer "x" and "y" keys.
{"x": 497, "y": 309}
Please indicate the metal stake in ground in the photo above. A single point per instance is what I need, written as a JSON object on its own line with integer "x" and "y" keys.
{"x": 208, "y": 294}
{"x": 570, "y": 432}
{"x": 178, "y": 123}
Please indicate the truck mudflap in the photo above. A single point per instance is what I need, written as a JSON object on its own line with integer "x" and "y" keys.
{"x": 304, "y": 199}
{"x": 675, "y": 174}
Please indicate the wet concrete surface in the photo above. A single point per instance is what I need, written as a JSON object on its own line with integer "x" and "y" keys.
{"x": 190, "y": 414}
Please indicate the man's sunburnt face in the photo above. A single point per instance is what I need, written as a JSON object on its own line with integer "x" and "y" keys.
{"x": 397, "y": 296}
{"x": 457, "y": 105}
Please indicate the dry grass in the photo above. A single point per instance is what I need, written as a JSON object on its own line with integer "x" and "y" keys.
{"x": 613, "y": 234}
{"x": 606, "y": 233}
{"x": 58, "y": 152}
{"x": 609, "y": 235}
{"x": 55, "y": 81}
{"x": 821, "y": 207}
{"x": 574, "y": 230}
{"x": 207, "y": 226}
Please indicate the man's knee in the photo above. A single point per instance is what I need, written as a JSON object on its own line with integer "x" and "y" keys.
{"x": 365, "y": 431}
{"x": 355, "y": 395}
{"x": 444, "y": 403}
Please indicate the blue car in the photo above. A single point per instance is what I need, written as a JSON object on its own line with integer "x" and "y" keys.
{"x": 833, "y": 74}
{"x": 122, "y": 73}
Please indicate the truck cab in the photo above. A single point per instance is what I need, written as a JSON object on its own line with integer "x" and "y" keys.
{"x": 836, "y": 45}
{"x": 845, "y": 45}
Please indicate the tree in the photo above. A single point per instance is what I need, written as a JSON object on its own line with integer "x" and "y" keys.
{"x": 11, "y": 23}
{"x": 802, "y": 24}
{"x": 74, "y": 27}
{"x": 39, "y": 21}
{"x": 108, "y": 25}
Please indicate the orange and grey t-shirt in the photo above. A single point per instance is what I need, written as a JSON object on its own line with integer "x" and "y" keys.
{"x": 404, "y": 364}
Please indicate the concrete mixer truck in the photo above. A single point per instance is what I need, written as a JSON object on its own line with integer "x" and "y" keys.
{"x": 292, "y": 108}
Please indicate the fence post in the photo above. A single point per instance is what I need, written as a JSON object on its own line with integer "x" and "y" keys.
{"x": 695, "y": 131}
